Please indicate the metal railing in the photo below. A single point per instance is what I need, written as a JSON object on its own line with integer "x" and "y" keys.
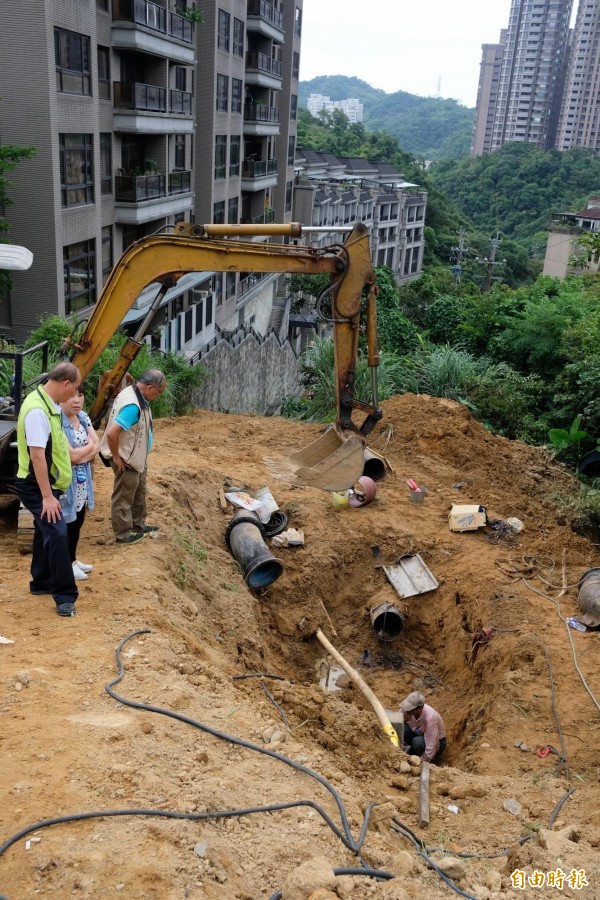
{"x": 263, "y": 63}
{"x": 259, "y": 168}
{"x": 180, "y": 182}
{"x": 180, "y": 102}
{"x": 263, "y": 219}
{"x": 133, "y": 95}
{"x": 266, "y": 11}
{"x": 255, "y": 113}
{"x": 137, "y": 188}
{"x": 144, "y": 12}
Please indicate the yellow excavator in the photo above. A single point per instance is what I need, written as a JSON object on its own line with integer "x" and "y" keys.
{"x": 335, "y": 460}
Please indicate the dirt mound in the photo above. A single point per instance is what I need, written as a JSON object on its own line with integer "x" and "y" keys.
{"x": 488, "y": 648}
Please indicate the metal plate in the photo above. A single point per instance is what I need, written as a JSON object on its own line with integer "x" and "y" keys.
{"x": 410, "y": 576}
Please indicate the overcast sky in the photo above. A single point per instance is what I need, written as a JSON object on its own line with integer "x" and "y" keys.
{"x": 401, "y": 46}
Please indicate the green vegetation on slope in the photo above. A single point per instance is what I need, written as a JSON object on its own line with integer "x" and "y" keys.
{"x": 517, "y": 188}
{"x": 430, "y": 127}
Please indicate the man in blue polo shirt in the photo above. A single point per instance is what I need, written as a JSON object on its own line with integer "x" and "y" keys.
{"x": 126, "y": 443}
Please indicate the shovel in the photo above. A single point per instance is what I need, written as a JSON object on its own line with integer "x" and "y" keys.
{"x": 331, "y": 463}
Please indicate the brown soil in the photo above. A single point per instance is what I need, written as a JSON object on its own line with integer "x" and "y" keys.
{"x": 67, "y": 747}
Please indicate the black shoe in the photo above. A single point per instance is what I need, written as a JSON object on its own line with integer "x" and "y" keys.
{"x": 149, "y": 528}
{"x": 39, "y": 589}
{"x": 133, "y": 538}
{"x": 67, "y": 610}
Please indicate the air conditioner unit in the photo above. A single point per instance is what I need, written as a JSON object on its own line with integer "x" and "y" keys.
{"x": 201, "y": 295}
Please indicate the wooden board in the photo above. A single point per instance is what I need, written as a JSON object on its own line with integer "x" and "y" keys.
{"x": 424, "y": 795}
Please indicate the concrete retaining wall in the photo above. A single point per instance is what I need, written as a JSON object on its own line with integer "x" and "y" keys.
{"x": 252, "y": 377}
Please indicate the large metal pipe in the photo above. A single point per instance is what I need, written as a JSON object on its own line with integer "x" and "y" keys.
{"x": 244, "y": 539}
{"x": 387, "y": 621}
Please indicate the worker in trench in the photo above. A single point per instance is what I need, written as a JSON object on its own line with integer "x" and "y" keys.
{"x": 424, "y": 729}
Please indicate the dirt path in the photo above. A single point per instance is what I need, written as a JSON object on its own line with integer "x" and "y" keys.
{"x": 67, "y": 747}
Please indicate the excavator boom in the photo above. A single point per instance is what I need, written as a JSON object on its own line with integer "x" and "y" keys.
{"x": 334, "y": 461}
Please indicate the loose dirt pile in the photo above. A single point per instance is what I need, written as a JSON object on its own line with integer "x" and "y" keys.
{"x": 67, "y": 747}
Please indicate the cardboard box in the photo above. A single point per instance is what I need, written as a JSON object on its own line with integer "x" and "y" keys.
{"x": 467, "y": 517}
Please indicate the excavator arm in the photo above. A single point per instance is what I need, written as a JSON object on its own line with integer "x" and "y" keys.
{"x": 334, "y": 461}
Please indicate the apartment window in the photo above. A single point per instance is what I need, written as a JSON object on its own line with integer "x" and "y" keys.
{"x": 106, "y": 182}
{"x": 79, "y": 266}
{"x": 72, "y": 60}
{"x": 230, "y": 285}
{"x": 291, "y": 149}
{"x": 220, "y": 155}
{"x": 179, "y": 155}
{"x": 289, "y": 193}
{"x": 233, "y": 211}
{"x": 76, "y": 169}
{"x": 295, "y": 65}
{"x": 222, "y": 92}
{"x": 107, "y": 250}
{"x": 219, "y": 214}
{"x": 235, "y": 143}
{"x": 209, "y": 311}
{"x": 238, "y": 37}
{"x": 293, "y": 106}
{"x": 104, "y": 73}
{"x": 180, "y": 78}
{"x": 236, "y": 95}
{"x": 223, "y": 30}
{"x": 298, "y": 21}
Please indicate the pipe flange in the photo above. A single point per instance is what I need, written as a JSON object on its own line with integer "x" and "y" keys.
{"x": 276, "y": 524}
{"x": 250, "y": 519}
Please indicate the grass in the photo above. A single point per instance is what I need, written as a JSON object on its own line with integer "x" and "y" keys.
{"x": 196, "y": 556}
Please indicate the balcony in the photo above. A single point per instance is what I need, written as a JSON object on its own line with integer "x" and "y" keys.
{"x": 142, "y": 109}
{"x": 264, "y": 219}
{"x": 149, "y": 28}
{"x": 180, "y": 103}
{"x": 263, "y": 70}
{"x": 259, "y": 174}
{"x": 142, "y": 198}
{"x": 264, "y": 18}
{"x": 261, "y": 120}
{"x": 133, "y": 95}
{"x": 180, "y": 182}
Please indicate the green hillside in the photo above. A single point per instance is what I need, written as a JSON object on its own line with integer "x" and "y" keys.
{"x": 427, "y": 126}
{"x": 518, "y": 188}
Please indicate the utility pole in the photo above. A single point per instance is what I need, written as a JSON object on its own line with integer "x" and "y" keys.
{"x": 490, "y": 264}
{"x": 458, "y": 254}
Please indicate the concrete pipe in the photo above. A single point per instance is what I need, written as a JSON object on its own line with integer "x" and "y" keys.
{"x": 244, "y": 538}
{"x": 387, "y": 621}
{"x": 374, "y": 465}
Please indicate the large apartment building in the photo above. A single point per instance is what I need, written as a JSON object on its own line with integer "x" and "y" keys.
{"x": 522, "y": 78}
{"x": 579, "y": 121}
{"x": 141, "y": 119}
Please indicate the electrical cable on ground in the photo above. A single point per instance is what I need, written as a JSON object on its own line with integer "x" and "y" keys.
{"x": 275, "y": 703}
{"x": 344, "y": 834}
{"x": 371, "y": 873}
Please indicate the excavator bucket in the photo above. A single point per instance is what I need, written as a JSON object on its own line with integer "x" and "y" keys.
{"x": 331, "y": 463}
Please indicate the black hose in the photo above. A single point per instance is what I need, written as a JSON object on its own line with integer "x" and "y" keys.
{"x": 559, "y": 806}
{"x": 433, "y": 866}
{"x": 167, "y": 814}
{"x": 371, "y": 873}
{"x": 346, "y": 838}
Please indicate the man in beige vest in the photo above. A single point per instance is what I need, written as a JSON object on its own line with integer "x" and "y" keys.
{"x": 126, "y": 443}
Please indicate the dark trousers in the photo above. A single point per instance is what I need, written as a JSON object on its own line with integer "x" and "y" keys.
{"x": 416, "y": 742}
{"x": 73, "y": 529}
{"x": 51, "y": 568}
